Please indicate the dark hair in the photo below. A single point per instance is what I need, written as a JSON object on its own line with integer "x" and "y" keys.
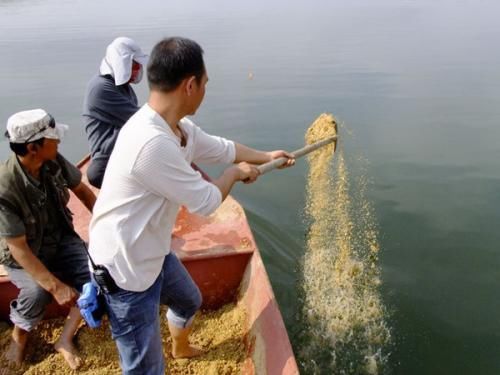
{"x": 172, "y": 60}
{"x": 21, "y": 149}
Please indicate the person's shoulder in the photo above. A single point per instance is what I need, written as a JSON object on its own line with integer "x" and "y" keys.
{"x": 140, "y": 129}
{"x": 7, "y": 175}
{"x": 139, "y": 120}
{"x": 189, "y": 126}
{"x": 97, "y": 80}
{"x": 3, "y": 164}
{"x": 152, "y": 151}
{"x": 60, "y": 163}
{"x": 146, "y": 120}
{"x": 161, "y": 144}
{"x": 61, "y": 160}
{"x": 8, "y": 166}
{"x": 186, "y": 121}
{"x": 99, "y": 84}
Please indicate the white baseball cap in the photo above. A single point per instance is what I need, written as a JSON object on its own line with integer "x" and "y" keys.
{"x": 29, "y": 126}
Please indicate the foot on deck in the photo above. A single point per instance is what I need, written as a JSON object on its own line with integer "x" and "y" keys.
{"x": 187, "y": 351}
{"x": 69, "y": 353}
{"x": 15, "y": 354}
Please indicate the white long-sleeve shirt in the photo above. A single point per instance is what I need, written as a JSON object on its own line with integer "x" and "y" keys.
{"x": 147, "y": 178}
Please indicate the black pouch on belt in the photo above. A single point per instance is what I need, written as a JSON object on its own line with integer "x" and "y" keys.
{"x": 104, "y": 279}
{"x": 101, "y": 276}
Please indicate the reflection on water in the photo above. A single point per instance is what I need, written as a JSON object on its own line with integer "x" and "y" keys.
{"x": 417, "y": 81}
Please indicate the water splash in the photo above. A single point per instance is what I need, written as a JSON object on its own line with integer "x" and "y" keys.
{"x": 345, "y": 317}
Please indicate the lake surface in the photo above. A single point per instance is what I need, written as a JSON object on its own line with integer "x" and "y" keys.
{"x": 416, "y": 85}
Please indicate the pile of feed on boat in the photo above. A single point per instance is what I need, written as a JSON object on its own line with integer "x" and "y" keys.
{"x": 221, "y": 334}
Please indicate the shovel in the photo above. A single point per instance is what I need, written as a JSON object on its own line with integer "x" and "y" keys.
{"x": 276, "y": 163}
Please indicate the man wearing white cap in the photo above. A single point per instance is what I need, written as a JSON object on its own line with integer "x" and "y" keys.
{"x": 110, "y": 101}
{"x": 39, "y": 248}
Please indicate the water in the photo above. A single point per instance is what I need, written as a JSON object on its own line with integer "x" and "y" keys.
{"x": 416, "y": 82}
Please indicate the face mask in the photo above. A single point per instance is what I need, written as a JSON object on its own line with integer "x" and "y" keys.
{"x": 138, "y": 76}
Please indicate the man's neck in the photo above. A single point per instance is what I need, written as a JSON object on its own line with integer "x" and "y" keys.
{"x": 31, "y": 165}
{"x": 168, "y": 107}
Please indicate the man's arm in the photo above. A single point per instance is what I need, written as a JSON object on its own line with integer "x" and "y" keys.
{"x": 86, "y": 196}
{"x": 21, "y": 252}
{"x": 252, "y": 156}
{"x": 240, "y": 172}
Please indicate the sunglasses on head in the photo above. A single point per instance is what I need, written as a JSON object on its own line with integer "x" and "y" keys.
{"x": 51, "y": 125}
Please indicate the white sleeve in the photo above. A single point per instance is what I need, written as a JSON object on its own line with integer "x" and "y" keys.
{"x": 210, "y": 149}
{"x": 161, "y": 169}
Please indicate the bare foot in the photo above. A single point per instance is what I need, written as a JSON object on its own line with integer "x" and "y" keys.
{"x": 187, "y": 351}
{"x": 15, "y": 354}
{"x": 69, "y": 352}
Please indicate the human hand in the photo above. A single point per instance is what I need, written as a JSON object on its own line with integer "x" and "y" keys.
{"x": 282, "y": 154}
{"x": 247, "y": 173}
{"x": 65, "y": 295}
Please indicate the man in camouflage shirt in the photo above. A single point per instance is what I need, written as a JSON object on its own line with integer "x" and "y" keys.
{"x": 39, "y": 248}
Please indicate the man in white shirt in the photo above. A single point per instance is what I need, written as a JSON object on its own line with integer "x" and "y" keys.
{"x": 147, "y": 179}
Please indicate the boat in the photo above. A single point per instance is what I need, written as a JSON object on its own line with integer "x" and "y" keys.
{"x": 220, "y": 253}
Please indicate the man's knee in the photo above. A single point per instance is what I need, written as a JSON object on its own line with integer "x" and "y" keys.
{"x": 182, "y": 314}
{"x": 34, "y": 296}
{"x": 190, "y": 302}
{"x": 196, "y": 300}
{"x": 29, "y": 307}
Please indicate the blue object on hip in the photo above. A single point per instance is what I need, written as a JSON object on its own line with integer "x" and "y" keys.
{"x": 91, "y": 305}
